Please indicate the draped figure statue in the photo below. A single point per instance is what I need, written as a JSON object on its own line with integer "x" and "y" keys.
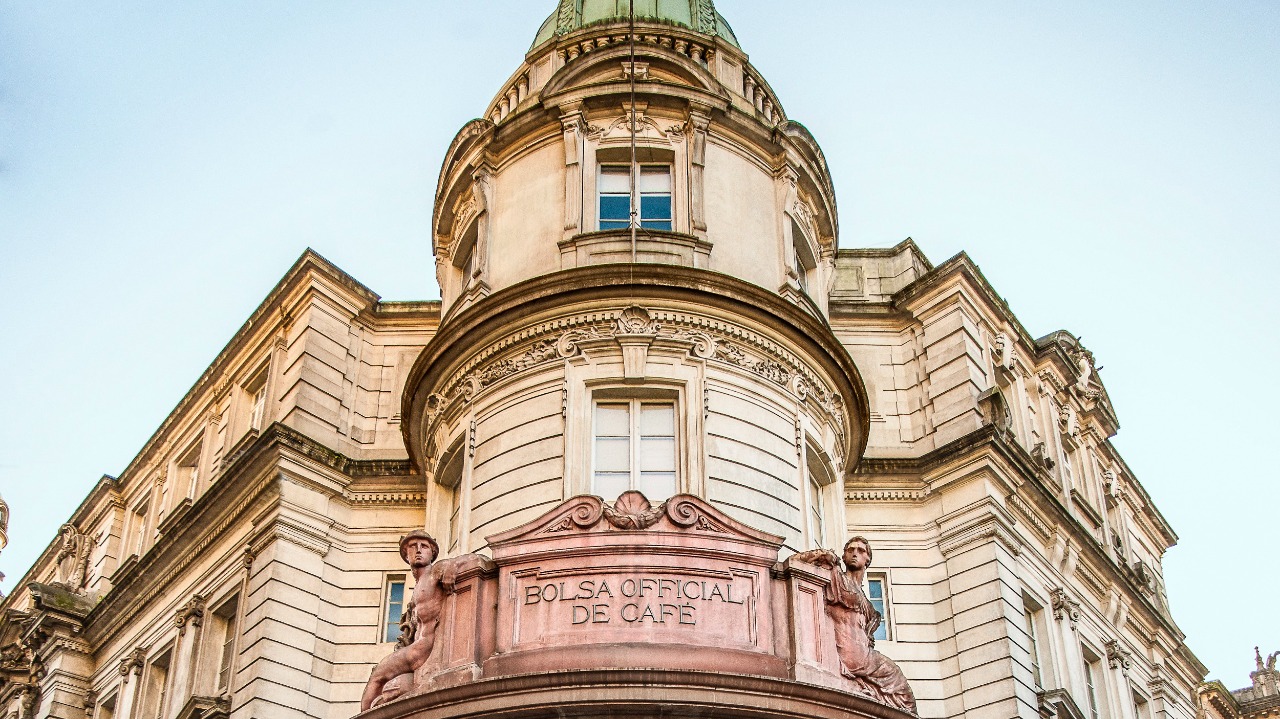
{"x": 856, "y": 621}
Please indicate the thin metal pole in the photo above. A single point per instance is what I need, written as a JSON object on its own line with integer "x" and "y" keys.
{"x": 635, "y": 213}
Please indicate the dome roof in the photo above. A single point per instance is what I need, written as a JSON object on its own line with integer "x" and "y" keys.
{"x": 697, "y": 15}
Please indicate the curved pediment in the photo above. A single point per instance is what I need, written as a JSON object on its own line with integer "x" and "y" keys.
{"x": 655, "y": 66}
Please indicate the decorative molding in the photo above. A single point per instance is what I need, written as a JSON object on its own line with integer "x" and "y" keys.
{"x": 632, "y": 512}
{"x": 978, "y": 523}
{"x": 1117, "y": 656}
{"x": 706, "y": 338}
{"x": 1033, "y": 519}
{"x": 132, "y": 664}
{"x": 72, "y": 559}
{"x": 886, "y": 495}
{"x": 294, "y": 532}
{"x": 191, "y": 613}
{"x": 1064, "y": 607}
{"x": 385, "y": 499}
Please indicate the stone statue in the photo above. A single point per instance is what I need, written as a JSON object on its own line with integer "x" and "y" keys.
{"x": 72, "y": 559}
{"x": 856, "y": 621}
{"x": 433, "y": 582}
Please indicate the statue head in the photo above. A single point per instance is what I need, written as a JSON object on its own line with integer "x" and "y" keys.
{"x": 421, "y": 536}
{"x": 858, "y": 539}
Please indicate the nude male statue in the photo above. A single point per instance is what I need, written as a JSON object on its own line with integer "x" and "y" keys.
{"x": 432, "y": 584}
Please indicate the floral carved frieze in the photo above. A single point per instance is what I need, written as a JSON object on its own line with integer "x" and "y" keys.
{"x": 567, "y": 338}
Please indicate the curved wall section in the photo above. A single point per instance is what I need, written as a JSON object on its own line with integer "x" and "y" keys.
{"x": 763, "y": 415}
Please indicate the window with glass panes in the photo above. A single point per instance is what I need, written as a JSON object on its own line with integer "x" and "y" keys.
{"x": 634, "y": 447}
{"x": 1092, "y": 671}
{"x": 876, "y": 585}
{"x": 1030, "y": 614}
{"x": 225, "y": 616}
{"x": 395, "y": 608}
{"x": 653, "y": 196}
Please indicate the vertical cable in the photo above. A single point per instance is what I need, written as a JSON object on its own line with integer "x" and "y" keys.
{"x": 635, "y": 213}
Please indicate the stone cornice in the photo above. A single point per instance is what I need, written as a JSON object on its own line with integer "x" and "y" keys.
{"x": 246, "y": 482}
{"x": 1095, "y": 568}
{"x": 641, "y": 691}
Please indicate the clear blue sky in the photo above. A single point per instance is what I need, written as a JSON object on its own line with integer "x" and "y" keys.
{"x": 1114, "y": 168}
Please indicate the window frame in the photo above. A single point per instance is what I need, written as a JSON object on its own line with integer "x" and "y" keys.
{"x": 219, "y": 649}
{"x": 1094, "y": 679}
{"x": 1032, "y": 613}
{"x": 603, "y": 170}
{"x": 883, "y": 632}
{"x": 388, "y": 582}
{"x": 139, "y": 518}
{"x": 155, "y": 695}
{"x": 635, "y": 470}
{"x": 187, "y": 466}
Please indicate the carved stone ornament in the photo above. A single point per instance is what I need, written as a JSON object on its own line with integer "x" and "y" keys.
{"x": 632, "y": 512}
{"x": 1069, "y": 422}
{"x": 191, "y": 613}
{"x": 856, "y": 621}
{"x": 132, "y": 664}
{"x": 72, "y": 559}
{"x": 1064, "y": 607}
{"x": 1117, "y": 656}
{"x": 1041, "y": 457}
{"x": 1002, "y": 351}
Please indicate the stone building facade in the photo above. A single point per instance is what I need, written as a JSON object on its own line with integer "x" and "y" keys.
{"x": 1259, "y": 700}
{"x": 246, "y": 563}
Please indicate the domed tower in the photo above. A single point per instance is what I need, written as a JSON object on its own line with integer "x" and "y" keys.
{"x": 634, "y": 245}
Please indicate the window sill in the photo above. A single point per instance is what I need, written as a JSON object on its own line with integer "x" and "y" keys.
{"x": 661, "y": 247}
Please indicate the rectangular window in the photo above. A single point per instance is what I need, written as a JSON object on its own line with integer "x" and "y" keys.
{"x": 634, "y": 448}
{"x": 106, "y": 708}
{"x": 815, "y": 510}
{"x": 259, "y": 406}
{"x": 653, "y": 196}
{"x": 188, "y": 470}
{"x": 225, "y": 635}
{"x": 155, "y": 691}
{"x": 1031, "y": 615}
{"x": 395, "y": 608}
{"x": 1092, "y": 674}
{"x": 139, "y": 527}
{"x": 1141, "y": 709}
{"x": 820, "y": 474}
{"x": 876, "y": 592}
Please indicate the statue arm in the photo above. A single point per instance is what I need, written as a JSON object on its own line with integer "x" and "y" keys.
{"x": 818, "y": 557}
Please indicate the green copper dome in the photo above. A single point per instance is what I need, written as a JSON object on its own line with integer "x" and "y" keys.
{"x": 697, "y": 15}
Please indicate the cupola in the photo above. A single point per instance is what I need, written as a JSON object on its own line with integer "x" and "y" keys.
{"x": 697, "y": 15}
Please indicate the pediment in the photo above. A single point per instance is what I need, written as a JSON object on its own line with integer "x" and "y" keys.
{"x": 634, "y": 514}
{"x": 655, "y": 65}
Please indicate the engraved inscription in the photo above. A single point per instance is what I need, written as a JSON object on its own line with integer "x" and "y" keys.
{"x": 634, "y": 600}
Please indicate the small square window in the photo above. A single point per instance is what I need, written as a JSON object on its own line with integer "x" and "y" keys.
{"x": 653, "y": 196}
